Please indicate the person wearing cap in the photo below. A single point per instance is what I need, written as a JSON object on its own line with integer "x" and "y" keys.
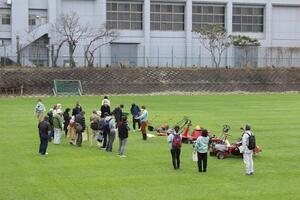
{"x": 39, "y": 110}
{"x": 57, "y": 125}
{"x": 247, "y": 153}
{"x": 80, "y": 119}
{"x": 144, "y": 121}
{"x": 94, "y": 120}
{"x": 201, "y": 147}
{"x": 175, "y": 151}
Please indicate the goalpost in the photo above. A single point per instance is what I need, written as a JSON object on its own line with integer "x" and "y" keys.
{"x": 67, "y": 87}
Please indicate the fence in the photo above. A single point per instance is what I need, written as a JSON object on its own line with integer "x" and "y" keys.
{"x": 159, "y": 56}
{"x": 33, "y": 81}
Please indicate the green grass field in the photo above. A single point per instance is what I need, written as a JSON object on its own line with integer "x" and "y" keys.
{"x": 89, "y": 173}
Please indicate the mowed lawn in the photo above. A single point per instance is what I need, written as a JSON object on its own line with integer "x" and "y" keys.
{"x": 146, "y": 173}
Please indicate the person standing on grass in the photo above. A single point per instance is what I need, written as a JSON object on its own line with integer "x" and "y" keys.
{"x": 67, "y": 118}
{"x": 77, "y": 109}
{"x": 118, "y": 113}
{"x": 39, "y": 110}
{"x": 57, "y": 125}
{"x": 105, "y": 101}
{"x": 201, "y": 147}
{"x": 94, "y": 120}
{"x": 123, "y": 129}
{"x": 111, "y": 132}
{"x": 175, "y": 141}
{"x": 144, "y": 121}
{"x": 80, "y": 119}
{"x": 105, "y": 108}
{"x": 44, "y": 133}
{"x": 135, "y": 111}
{"x": 247, "y": 153}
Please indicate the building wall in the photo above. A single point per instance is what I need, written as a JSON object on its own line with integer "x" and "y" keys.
{"x": 164, "y": 48}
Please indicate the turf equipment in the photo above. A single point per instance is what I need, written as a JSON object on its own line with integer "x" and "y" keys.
{"x": 67, "y": 87}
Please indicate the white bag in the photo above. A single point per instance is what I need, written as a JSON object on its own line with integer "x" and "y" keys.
{"x": 84, "y": 136}
{"x": 195, "y": 156}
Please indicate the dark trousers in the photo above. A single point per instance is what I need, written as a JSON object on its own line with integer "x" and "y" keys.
{"x": 43, "y": 145}
{"x": 104, "y": 139}
{"x": 79, "y": 139}
{"x": 134, "y": 121}
{"x": 175, "y": 158}
{"x": 202, "y": 162}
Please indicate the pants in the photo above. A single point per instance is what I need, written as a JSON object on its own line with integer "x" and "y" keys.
{"x": 134, "y": 121}
{"x": 92, "y": 137}
{"x": 175, "y": 158}
{"x": 66, "y": 129}
{"x": 143, "y": 129}
{"x": 111, "y": 138}
{"x": 248, "y": 160}
{"x": 40, "y": 117}
{"x": 202, "y": 162}
{"x": 43, "y": 145}
{"x": 57, "y": 136}
{"x": 122, "y": 145}
{"x": 79, "y": 139}
{"x": 104, "y": 139}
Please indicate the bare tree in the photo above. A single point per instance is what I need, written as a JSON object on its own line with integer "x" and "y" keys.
{"x": 70, "y": 30}
{"x": 214, "y": 38}
{"x": 99, "y": 38}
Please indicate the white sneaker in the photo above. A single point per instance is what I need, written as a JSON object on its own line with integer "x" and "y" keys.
{"x": 46, "y": 153}
{"x": 122, "y": 156}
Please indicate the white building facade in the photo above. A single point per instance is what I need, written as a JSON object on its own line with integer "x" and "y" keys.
{"x": 153, "y": 33}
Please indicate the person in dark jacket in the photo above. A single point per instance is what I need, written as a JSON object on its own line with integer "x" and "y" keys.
{"x": 118, "y": 113}
{"x": 135, "y": 112}
{"x": 50, "y": 119}
{"x": 77, "y": 109}
{"x": 44, "y": 133}
{"x": 80, "y": 119}
{"x": 123, "y": 128}
{"x": 105, "y": 108}
{"x": 67, "y": 118}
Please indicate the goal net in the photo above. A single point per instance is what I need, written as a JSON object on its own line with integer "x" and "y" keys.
{"x": 67, "y": 87}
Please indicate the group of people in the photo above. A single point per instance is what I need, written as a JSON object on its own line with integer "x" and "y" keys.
{"x": 201, "y": 147}
{"x": 104, "y": 125}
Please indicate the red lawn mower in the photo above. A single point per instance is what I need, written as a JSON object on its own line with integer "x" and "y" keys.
{"x": 221, "y": 148}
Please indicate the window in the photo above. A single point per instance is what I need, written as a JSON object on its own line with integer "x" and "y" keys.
{"x": 204, "y": 15}
{"x": 167, "y": 17}
{"x": 31, "y": 20}
{"x": 124, "y": 15}
{"x": 248, "y": 19}
{"x": 5, "y": 19}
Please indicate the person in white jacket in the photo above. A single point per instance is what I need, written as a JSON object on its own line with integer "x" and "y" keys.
{"x": 247, "y": 153}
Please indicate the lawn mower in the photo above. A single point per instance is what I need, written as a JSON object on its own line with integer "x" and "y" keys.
{"x": 165, "y": 129}
{"x": 221, "y": 148}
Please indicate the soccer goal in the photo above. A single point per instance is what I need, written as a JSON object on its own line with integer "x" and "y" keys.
{"x": 67, "y": 87}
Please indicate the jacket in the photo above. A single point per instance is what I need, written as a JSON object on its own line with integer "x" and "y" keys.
{"x": 123, "y": 129}
{"x": 245, "y": 142}
{"x": 44, "y": 129}
{"x": 81, "y": 120}
{"x": 57, "y": 121}
{"x": 201, "y": 144}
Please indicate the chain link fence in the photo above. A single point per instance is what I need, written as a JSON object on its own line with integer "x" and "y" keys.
{"x": 39, "y": 81}
{"x": 133, "y": 55}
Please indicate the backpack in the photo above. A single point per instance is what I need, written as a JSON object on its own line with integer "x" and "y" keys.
{"x": 104, "y": 126}
{"x": 176, "y": 142}
{"x": 251, "y": 141}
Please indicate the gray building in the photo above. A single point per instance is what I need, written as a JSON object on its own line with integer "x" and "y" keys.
{"x": 153, "y": 33}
